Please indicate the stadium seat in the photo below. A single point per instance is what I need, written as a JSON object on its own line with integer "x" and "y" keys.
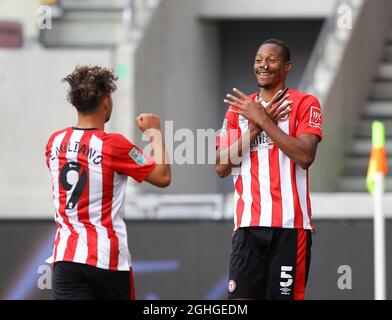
{"x": 11, "y": 35}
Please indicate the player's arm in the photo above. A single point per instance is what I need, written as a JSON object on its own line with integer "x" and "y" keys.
{"x": 161, "y": 175}
{"x": 301, "y": 149}
{"x": 228, "y": 157}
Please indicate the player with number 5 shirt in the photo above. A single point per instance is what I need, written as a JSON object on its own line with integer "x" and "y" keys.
{"x": 268, "y": 142}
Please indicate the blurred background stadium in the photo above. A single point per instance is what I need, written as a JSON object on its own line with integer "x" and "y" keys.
{"x": 178, "y": 58}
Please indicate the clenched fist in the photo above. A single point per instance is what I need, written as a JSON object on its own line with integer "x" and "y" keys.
{"x": 146, "y": 121}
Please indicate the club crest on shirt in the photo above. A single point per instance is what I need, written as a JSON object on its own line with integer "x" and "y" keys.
{"x": 137, "y": 156}
{"x": 315, "y": 119}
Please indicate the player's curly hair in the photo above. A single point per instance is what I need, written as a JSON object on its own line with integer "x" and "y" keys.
{"x": 89, "y": 86}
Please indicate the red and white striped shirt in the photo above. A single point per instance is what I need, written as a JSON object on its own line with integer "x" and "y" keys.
{"x": 89, "y": 170}
{"x": 271, "y": 190}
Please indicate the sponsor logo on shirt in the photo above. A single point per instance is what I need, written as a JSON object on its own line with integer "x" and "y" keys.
{"x": 315, "y": 120}
{"x": 137, "y": 156}
{"x": 262, "y": 141}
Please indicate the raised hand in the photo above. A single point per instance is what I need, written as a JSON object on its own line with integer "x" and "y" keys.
{"x": 278, "y": 110}
{"x": 147, "y": 121}
{"x": 252, "y": 110}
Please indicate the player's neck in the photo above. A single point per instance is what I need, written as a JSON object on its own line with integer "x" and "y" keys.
{"x": 266, "y": 94}
{"x": 90, "y": 122}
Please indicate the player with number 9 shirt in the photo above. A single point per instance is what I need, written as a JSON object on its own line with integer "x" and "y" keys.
{"x": 89, "y": 170}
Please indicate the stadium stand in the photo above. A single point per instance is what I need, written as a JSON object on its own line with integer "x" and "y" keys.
{"x": 11, "y": 34}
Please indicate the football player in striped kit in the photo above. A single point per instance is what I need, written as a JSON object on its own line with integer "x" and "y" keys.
{"x": 268, "y": 142}
{"x": 89, "y": 170}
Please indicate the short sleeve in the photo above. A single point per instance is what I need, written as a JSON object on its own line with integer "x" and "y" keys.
{"x": 49, "y": 145}
{"x": 129, "y": 160}
{"x": 230, "y": 132}
{"x": 310, "y": 120}
{"x": 48, "y": 151}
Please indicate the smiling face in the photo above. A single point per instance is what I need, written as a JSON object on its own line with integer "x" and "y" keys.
{"x": 270, "y": 66}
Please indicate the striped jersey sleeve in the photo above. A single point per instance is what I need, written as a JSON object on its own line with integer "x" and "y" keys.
{"x": 230, "y": 131}
{"x": 127, "y": 159}
{"x": 310, "y": 119}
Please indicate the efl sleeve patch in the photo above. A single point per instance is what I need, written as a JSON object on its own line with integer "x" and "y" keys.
{"x": 309, "y": 117}
{"x": 315, "y": 119}
{"x": 137, "y": 156}
{"x": 127, "y": 159}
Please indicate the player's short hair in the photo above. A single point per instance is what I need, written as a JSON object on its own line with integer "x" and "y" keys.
{"x": 89, "y": 86}
{"x": 285, "y": 49}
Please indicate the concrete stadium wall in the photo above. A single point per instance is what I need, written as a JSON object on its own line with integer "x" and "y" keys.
{"x": 186, "y": 61}
{"x": 349, "y": 90}
{"x": 25, "y": 12}
{"x": 177, "y": 77}
{"x": 33, "y": 105}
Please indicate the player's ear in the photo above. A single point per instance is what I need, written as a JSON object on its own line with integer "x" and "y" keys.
{"x": 106, "y": 105}
{"x": 288, "y": 66}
